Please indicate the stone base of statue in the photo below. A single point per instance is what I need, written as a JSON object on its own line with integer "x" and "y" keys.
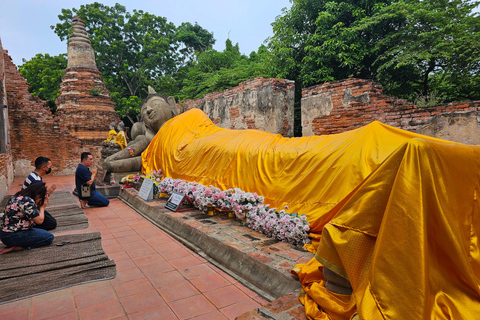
{"x": 109, "y": 190}
{"x": 109, "y": 148}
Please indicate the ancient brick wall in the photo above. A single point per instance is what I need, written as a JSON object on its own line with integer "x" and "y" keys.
{"x": 6, "y": 164}
{"x": 259, "y": 103}
{"x": 348, "y": 104}
{"x": 35, "y": 131}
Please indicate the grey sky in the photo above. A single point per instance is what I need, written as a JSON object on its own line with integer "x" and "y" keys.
{"x": 25, "y": 24}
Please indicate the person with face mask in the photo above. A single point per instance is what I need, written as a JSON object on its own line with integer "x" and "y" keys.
{"x": 43, "y": 166}
{"x": 24, "y": 212}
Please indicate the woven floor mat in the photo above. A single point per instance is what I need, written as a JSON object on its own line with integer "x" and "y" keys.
{"x": 79, "y": 259}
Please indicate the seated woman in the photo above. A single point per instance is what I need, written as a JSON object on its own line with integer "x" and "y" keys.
{"x": 25, "y": 209}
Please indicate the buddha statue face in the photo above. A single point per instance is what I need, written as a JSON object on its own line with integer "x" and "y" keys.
{"x": 155, "y": 112}
{"x": 121, "y": 126}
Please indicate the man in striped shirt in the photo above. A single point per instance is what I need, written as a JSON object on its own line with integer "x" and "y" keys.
{"x": 43, "y": 166}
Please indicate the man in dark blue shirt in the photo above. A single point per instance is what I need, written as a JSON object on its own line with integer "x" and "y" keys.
{"x": 43, "y": 166}
{"x": 83, "y": 175}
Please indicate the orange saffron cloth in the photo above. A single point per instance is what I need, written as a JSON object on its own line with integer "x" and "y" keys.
{"x": 394, "y": 212}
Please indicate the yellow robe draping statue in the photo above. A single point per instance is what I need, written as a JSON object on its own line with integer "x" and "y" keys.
{"x": 395, "y": 213}
{"x": 111, "y": 136}
{"x": 121, "y": 139}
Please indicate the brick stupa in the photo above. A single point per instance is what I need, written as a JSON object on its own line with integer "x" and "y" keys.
{"x": 84, "y": 103}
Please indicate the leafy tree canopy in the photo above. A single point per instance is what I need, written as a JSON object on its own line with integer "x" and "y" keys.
{"x": 134, "y": 50}
{"x": 434, "y": 46}
{"x": 217, "y": 71}
{"x": 410, "y": 46}
{"x": 44, "y": 74}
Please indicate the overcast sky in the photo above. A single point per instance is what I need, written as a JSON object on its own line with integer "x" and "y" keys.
{"x": 25, "y": 24}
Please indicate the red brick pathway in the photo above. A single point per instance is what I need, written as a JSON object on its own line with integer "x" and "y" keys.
{"x": 157, "y": 277}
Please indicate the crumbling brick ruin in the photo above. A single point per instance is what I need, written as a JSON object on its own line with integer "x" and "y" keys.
{"x": 35, "y": 131}
{"x": 348, "y": 104}
{"x": 84, "y": 103}
{"x": 259, "y": 103}
{"x": 6, "y": 160}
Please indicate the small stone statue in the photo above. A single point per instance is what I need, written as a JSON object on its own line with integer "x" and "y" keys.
{"x": 155, "y": 111}
{"x": 121, "y": 139}
{"x": 112, "y": 133}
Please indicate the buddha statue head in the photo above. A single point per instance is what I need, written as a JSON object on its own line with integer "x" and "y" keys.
{"x": 121, "y": 126}
{"x": 157, "y": 109}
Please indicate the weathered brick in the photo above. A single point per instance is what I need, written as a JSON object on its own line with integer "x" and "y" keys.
{"x": 354, "y": 112}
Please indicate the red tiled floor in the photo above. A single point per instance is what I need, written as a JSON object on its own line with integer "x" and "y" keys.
{"x": 142, "y": 301}
{"x": 197, "y": 271}
{"x": 156, "y": 269}
{"x": 225, "y": 296}
{"x": 23, "y": 313}
{"x": 184, "y": 262}
{"x": 66, "y": 316}
{"x": 216, "y": 315}
{"x": 94, "y": 297}
{"x": 157, "y": 277}
{"x": 166, "y": 279}
{"x": 239, "y": 308}
{"x": 192, "y": 306}
{"x": 133, "y": 287}
{"x": 178, "y": 290}
{"x": 171, "y": 254}
{"x": 149, "y": 259}
{"x": 44, "y": 309}
{"x": 209, "y": 282}
{"x": 163, "y": 312}
{"x": 127, "y": 275}
{"x": 106, "y": 311}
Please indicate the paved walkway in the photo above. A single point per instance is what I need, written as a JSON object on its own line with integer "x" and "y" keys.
{"x": 157, "y": 277}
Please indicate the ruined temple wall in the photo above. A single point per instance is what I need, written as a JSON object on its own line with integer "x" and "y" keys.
{"x": 351, "y": 103}
{"x": 259, "y": 103}
{"x": 35, "y": 131}
{"x": 6, "y": 163}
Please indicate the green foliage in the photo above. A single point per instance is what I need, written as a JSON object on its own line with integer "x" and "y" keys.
{"x": 431, "y": 100}
{"x": 44, "y": 74}
{"x": 134, "y": 50}
{"x": 193, "y": 38}
{"x": 314, "y": 42}
{"x": 95, "y": 91}
{"x": 409, "y": 46}
{"x": 127, "y": 107}
{"x": 433, "y": 44}
{"x": 217, "y": 71}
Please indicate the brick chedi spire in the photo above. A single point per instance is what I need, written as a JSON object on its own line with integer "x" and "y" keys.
{"x": 84, "y": 103}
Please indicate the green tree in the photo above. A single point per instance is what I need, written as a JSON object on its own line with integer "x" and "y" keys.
{"x": 313, "y": 42}
{"x": 133, "y": 50}
{"x": 434, "y": 46}
{"x": 216, "y": 71}
{"x": 44, "y": 74}
{"x": 410, "y": 46}
{"x": 193, "y": 39}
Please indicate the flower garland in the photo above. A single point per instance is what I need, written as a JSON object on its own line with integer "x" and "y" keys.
{"x": 280, "y": 225}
